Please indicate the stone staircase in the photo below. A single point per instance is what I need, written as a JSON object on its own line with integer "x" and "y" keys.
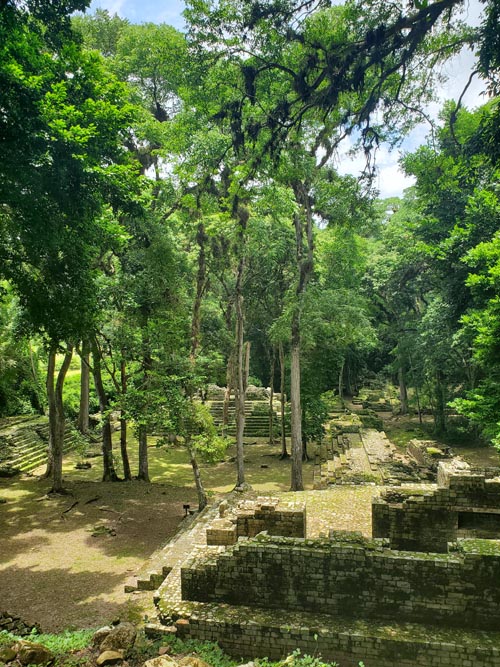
{"x": 256, "y": 418}
{"x": 348, "y": 461}
{"x": 24, "y": 442}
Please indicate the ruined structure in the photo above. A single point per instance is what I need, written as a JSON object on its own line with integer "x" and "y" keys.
{"x": 349, "y": 598}
{"x": 250, "y": 518}
{"x": 465, "y": 504}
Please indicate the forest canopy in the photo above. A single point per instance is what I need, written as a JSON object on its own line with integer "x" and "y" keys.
{"x": 171, "y": 210}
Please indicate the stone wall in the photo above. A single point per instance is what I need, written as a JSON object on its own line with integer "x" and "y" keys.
{"x": 360, "y": 578}
{"x": 466, "y": 503}
{"x": 347, "y": 645}
{"x": 250, "y": 518}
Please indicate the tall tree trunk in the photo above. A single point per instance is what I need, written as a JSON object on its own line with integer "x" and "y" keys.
{"x": 108, "y": 466}
{"x": 271, "y": 397}
{"x": 440, "y": 412}
{"x": 56, "y": 420}
{"x": 123, "y": 422}
{"x": 417, "y": 393}
{"x": 403, "y": 392}
{"x": 83, "y": 414}
{"x": 51, "y": 401}
{"x": 202, "y": 496}
{"x": 297, "y": 483}
{"x": 227, "y": 393}
{"x": 201, "y": 283}
{"x": 304, "y": 250}
{"x": 37, "y": 401}
{"x": 341, "y": 379}
{"x": 143, "y": 473}
{"x": 284, "y": 452}
{"x": 147, "y": 365}
{"x": 241, "y": 357}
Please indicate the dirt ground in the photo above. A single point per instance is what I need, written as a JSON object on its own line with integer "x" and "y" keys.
{"x": 64, "y": 566}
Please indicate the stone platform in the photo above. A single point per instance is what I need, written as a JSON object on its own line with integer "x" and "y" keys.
{"x": 256, "y": 632}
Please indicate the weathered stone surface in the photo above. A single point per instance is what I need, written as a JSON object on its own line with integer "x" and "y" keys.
{"x": 100, "y": 635}
{"x": 465, "y": 504}
{"x": 192, "y": 661}
{"x": 160, "y": 661}
{"x": 121, "y": 638}
{"x": 7, "y": 654}
{"x": 30, "y": 653}
{"x": 16, "y": 625}
{"x": 109, "y": 658}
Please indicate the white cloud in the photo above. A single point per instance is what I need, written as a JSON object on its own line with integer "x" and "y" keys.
{"x": 113, "y": 6}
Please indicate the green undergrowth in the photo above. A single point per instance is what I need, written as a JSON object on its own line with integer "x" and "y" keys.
{"x": 64, "y": 642}
{"x": 72, "y": 649}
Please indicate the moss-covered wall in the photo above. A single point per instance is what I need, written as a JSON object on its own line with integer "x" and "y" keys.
{"x": 429, "y": 522}
{"x": 353, "y": 579}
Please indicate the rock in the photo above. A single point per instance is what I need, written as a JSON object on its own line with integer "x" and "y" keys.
{"x": 7, "y": 654}
{"x": 160, "y": 661}
{"x": 193, "y": 661}
{"x": 100, "y": 635}
{"x": 83, "y": 465}
{"x": 9, "y": 471}
{"x": 164, "y": 650}
{"x": 109, "y": 658}
{"x": 29, "y": 653}
{"x": 121, "y": 638}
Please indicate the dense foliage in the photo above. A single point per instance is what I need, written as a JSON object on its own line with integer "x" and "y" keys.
{"x": 170, "y": 203}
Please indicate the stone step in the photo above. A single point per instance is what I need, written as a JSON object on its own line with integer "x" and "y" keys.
{"x": 253, "y": 632}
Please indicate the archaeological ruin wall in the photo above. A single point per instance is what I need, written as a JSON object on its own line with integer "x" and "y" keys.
{"x": 465, "y": 504}
{"x": 354, "y": 579}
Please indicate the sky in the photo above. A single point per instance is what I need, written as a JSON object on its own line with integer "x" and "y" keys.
{"x": 391, "y": 181}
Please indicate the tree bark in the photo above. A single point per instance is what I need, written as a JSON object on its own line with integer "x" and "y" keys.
{"x": 56, "y": 416}
{"x": 143, "y": 474}
{"x": 123, "y": 422}
{"x": 403, "y": 393}
{"x": 83, "y": 414}
{"x": 284, "y": 452}
{"x": 201, "y": 283}
{"x": 108, "y": 466}
{"x": 51, "y": 367}
{"x": 147, "y": 365}
{"x": 271, "y": 397}
{"x": 227, "y": 392}
{"x": 202, "y": 496}
{"x": 297, "y": 483}
{"x": 440, "y": 412}
{"x": 241, "y": 357}
{"x": 303, "y": 237}
{"x": 341, "y": 379}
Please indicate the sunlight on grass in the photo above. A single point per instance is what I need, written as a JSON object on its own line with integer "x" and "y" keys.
{"x": 170, "y": 465}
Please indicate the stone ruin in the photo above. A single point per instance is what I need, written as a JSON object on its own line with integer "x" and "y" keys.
{"x": 349, "y": 598}
{"x": 466, "y": 504}
{"x": 256, "y": 411}
{"x": 251, "y": 517}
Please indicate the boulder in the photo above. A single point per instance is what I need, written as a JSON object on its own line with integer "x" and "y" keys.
{"x": 7, "y": 654}
{"x": 109, "y": 658}
{"x": 100, "y": 635}
{"x": 192, "y": 661}
{"x": 160, "y": 661}
{"x": 120, "y": 638}
{"x": 29, "y": 653}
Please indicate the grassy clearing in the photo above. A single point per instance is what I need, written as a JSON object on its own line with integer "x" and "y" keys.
{"x": 170, "y": 465}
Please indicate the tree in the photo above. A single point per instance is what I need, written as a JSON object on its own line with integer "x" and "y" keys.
{"x": 62, "y": 129}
